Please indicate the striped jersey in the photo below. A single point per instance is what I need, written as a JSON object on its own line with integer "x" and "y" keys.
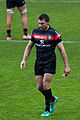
{"x": 45, "y": 42}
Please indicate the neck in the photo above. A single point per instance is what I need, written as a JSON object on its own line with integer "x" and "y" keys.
{"x": 47, "y": 28}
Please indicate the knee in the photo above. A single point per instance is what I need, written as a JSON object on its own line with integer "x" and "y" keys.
{"x": 10, "y": 11}
{"x": 24, "y": 11}
{"x": 40, "y": 88}
{"x": 45, "y": 87}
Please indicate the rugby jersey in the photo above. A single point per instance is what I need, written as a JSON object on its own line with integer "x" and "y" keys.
{"x": 45, "y": 42}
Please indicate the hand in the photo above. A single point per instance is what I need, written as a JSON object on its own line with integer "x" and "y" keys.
{"x": 22, "y": 65}
{"x": 66, "y": 71}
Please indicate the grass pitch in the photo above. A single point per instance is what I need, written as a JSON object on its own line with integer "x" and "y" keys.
{"x": 19, "y": 97}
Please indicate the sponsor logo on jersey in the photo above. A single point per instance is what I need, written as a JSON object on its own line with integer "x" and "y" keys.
{"x": 40, "y": 37}
{"x": 41, "y": 42}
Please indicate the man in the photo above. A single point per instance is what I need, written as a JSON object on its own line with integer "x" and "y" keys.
{"x": 46, "y": 39}
{"x": 11, "y": 4}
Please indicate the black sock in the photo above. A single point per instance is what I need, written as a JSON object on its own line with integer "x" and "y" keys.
{"x": 48, "y": 98}
{"x": 53, "y": 98}
{"x": 25, "y": 31}
{"x": 43, "y": 92}
{"x": 47, "y": 93}
{"x": 9, "y": 33}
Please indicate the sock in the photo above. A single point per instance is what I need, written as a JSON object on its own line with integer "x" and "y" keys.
{"x": 25, "y": 31}
{"x": 53, "y": 98}
{"x": 47, "y": 93}
{"x": 9, "y": 33}
{"x": 48, "y": 98}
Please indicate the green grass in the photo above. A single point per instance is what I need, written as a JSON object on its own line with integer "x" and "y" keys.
{"x": 19, "y": 97}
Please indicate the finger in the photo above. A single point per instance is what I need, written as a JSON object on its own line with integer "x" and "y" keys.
{"x": 64, "y": 75}
{"x": 24, "y": 65}
{"x": 21, "y": 66}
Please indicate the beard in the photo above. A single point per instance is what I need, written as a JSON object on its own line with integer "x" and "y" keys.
{"x": 44, "y": 28}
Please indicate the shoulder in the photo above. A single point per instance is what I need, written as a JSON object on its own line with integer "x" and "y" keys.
{"x": 56, "y": 35}
{"x": 33, "y": 33}
{"x": 35, "y": 30}
{"x": 55, "y": 32}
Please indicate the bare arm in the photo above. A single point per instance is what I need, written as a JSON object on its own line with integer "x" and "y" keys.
{"x": 64, "y": 56}
{"x": 26, "y": 53}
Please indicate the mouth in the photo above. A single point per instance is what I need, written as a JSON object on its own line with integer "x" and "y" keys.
{"x": 42, "y": 28}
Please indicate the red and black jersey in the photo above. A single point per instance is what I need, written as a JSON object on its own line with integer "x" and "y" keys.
{"x": 46, "y": 42}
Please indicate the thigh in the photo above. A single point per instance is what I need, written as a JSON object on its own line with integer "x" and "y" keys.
{"x": 48, "y": 77}
{"x": 22, "y": 7}
{"x": 39, "y": 81}
{"x": 47, "y": 81}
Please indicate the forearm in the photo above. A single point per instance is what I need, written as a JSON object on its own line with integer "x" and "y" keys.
{"x": 27, "y": 50}
{"x": 64, "y": 57}
{"x": 63, "y": 53}
{"x": 26, "y": 53}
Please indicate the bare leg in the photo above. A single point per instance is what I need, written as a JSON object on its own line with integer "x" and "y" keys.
{"x": 44, "y": 86}
{"x": 24, "y": 17}
{"x": 9, "y": 19}
{"x": 24, "y": 21}
{"x": 39, "y": 81}
{"x": 47, "y": 81}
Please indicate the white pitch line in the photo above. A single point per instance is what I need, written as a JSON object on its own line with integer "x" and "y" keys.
{"x": 16, "y": 41}
{"x": 71, "y": 42}
{"x": 62, "y": 1}
{"x": 23, "y": 41}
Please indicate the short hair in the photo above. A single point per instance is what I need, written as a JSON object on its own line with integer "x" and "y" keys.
{"x": 44, "y": 16}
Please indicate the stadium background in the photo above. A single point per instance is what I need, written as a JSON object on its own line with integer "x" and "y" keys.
{"x": 19, "y": 97}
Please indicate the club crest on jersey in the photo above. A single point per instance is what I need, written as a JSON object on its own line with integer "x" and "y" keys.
{"x": 49, "y": 37}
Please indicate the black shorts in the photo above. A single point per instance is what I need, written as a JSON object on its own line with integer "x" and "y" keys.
{"x": 41, "y": 69}
{"x": 14, "y": 3}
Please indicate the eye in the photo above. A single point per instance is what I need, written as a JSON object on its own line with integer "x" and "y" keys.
{"x": 41, "y": 23}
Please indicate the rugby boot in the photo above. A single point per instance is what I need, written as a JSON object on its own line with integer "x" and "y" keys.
{"x": 8, "y": 37}
{"x": 52, "y": 104}
{"x": 45, "y": 114}
{"x": 26, "y": 37}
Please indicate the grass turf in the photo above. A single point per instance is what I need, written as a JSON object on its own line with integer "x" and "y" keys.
{"x": 19, "y": 97}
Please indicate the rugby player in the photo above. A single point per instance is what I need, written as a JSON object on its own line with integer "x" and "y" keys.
{"x": 20, "y": 4}
{"x": 46, "y": 39}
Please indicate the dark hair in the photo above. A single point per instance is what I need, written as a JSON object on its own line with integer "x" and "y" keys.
{"x": 44, "y": 16}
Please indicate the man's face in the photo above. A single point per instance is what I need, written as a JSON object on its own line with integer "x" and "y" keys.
{"x": 43, "y": 24}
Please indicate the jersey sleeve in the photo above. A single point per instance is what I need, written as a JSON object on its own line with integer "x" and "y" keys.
{"x": 32, "y": 37}
{"x": 58, "y": 40}
{"x": 57, "y": 37}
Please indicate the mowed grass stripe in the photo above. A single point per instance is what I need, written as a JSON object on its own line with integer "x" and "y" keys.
{"x": 23, "y": 41}
{"x": 19, "y": 97}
